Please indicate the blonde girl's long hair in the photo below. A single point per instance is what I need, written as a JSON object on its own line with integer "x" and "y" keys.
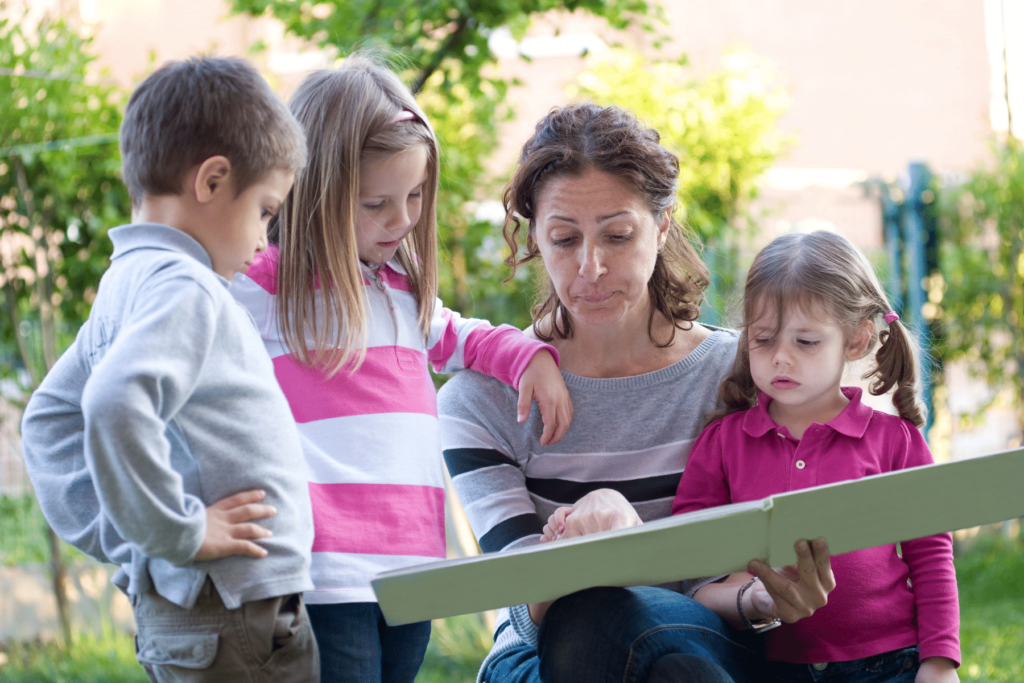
{"x": 823, "y": 271}
{"x": 349, "y": 117}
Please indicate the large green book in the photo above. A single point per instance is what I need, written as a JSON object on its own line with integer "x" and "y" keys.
{"x": 851, "y": 515}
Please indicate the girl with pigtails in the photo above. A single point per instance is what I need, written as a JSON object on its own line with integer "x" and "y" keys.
{"x": 811, "y": 304}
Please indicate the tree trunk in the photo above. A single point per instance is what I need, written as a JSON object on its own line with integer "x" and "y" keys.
{"x": 59, "y": 572}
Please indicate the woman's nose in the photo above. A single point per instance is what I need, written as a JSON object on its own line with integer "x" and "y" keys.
{"x": 591, "y": 263}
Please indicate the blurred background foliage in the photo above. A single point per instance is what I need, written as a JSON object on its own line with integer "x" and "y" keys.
{"x": 59, "y": 187}
{"x": 723, "y": 127}
{"x": 60, "y": 192}
{"x": 980, "y": 293}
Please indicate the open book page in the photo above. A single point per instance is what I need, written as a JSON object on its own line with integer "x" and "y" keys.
{"x": 851, "y": 515}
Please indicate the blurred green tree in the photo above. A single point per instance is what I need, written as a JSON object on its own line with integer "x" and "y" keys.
{"x": 59, "y": 193}
{"x": 723, "y": 126}
{"x": 445, "y": 56}
{"x": 979, "y": 297}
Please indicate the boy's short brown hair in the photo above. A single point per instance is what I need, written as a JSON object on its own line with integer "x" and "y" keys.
{"x": 188, "y": 111}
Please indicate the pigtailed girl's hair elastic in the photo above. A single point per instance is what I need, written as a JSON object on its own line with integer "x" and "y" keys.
{"x": 890, "y": 317}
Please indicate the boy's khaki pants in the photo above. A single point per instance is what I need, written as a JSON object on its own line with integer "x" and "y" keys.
{"x": 263, "y": 641}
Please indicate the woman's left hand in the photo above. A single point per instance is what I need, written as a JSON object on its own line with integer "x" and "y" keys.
{"x": 937, "y": 670}
{"x": 795, "y": 592}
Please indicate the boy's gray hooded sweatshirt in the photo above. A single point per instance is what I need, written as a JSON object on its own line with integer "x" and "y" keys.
{"x": 165, "y": 404}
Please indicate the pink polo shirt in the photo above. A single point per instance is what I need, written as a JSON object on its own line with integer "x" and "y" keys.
{"x": 882, "y": 601}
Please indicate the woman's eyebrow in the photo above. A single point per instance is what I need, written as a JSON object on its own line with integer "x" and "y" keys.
{"x": 600, "y": 219}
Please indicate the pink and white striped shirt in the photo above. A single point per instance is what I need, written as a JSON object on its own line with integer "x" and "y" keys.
{"x": 373, "y": 446}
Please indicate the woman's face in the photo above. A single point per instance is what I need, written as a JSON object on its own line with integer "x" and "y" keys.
{"x": 599, "y": 243}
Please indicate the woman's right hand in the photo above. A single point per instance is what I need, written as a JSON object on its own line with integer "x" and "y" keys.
{"x": 600, "y": 510}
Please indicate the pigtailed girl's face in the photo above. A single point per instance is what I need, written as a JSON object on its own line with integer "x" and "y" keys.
{"x": 799, "y": 363}
{"x": 390, "y": 202}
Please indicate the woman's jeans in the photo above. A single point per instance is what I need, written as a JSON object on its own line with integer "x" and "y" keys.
{"x": 617, "y": 634}
{"x": 357, "y": 646}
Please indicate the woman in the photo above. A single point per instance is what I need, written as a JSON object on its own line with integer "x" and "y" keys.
{"x": 595, "y": 193}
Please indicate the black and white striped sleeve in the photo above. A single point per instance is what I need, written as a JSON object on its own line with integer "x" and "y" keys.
{"x": 478, "y": 438}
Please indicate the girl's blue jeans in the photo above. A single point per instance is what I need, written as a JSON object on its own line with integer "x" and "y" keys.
{"x": 357, "y": 646}
{"x": 898, "y": 666}
{"x": 617, "y": 634}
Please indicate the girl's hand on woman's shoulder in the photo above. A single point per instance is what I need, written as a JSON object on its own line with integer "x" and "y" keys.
{"x": 542, "y": 382}
{"x": 937, "y": 670}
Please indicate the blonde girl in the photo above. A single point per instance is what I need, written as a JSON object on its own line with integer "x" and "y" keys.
{"x": 811, "y": 304}
{"x": 345, "y": 298}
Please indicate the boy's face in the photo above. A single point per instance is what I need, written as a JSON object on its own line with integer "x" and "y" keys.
{"x": 240, "y": 229}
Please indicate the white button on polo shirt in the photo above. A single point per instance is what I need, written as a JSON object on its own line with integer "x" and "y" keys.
{"x": 800, "y": 464}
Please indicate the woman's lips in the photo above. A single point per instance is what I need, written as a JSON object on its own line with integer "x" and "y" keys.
{"x": 388, "y": 245}
{"x": 594, "y": 298}
{"x": 784, "y": 383}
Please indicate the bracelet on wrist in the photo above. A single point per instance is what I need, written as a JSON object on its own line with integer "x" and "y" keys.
{"x": 759, "y": 626}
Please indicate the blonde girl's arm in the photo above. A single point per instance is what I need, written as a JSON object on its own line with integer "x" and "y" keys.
{"x": 505, "y": 353}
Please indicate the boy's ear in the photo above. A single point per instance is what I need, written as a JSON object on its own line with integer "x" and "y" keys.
{"x": 858, "y": 345}
{"x": 213, "y": 176}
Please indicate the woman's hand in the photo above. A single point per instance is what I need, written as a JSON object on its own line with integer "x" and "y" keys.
{"x": 795, "y": 592}
{"x": 542, "y": 382}
{"x": 600, "y": 510}
{"x": 937, "y": 670}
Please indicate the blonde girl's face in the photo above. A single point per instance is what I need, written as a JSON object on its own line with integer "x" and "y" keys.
{"x": 390, "y": 201}
{"x": 801, "y": 364}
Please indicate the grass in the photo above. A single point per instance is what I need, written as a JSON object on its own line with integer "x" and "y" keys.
{"x": 991, "y": 580}
{"x": 990, "y": 575}
{"x": 457, "y": 647}
{"x": 92, "y": 659}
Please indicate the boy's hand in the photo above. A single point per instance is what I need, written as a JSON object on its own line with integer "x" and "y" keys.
{"x": 543, "y": 383}
{"x": 228, "y": 526}
{"x": 937, "y": 670}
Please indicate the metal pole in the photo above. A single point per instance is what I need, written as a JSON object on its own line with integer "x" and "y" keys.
{"x": 917, "y": 181}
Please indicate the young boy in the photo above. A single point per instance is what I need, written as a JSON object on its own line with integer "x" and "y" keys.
{"x": 160, "y": 441}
